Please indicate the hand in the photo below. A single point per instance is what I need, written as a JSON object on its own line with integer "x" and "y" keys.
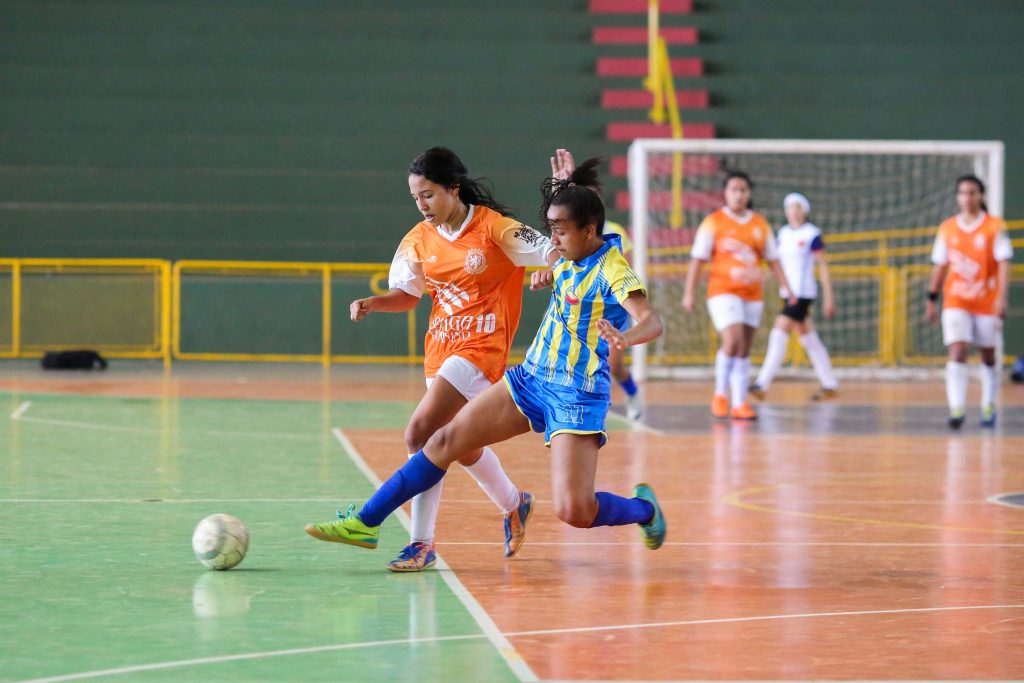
{"x": 930, "y": 312}
{"x": 539, "y": 279}
{"x": 562, "y": 164}
{"x": 792, "y": 300}
{"x": 688, "y": 302}
{"x": 829, "y": 309}
{"x": 999, "y": 309}
{"x": 612, "y": 335}
{"x": 359, "y": 309}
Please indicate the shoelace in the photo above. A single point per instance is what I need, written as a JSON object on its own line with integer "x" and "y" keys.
{"x": 347, "y": 513}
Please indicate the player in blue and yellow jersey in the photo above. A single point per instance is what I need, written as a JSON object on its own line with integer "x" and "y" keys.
{"x": 562, "y": 389}
{"x": 563, "y": 164}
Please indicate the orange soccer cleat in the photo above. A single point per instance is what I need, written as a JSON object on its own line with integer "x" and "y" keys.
{"x": 720, "y": 406}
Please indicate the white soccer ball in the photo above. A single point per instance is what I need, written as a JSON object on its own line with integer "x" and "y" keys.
{"x": 220, "y": 541}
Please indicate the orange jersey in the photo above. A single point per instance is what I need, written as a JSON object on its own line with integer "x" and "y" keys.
{"x": 735, "y": 249}
{"x": 973, "y": 253}
{"x": 475, "y": 279}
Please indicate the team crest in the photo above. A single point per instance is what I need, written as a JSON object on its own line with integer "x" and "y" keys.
{"x": 979, "y": 242}
{"x": 476, "y": 261}
{"x": 571, "y": 297}
{"x": 757, "y": 233}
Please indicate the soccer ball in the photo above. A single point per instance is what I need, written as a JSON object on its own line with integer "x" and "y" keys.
{"x": 220, "y": 541}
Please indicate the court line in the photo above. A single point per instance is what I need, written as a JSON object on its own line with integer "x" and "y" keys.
{"x": 95, "y": 426}
{"x": 21, "y": 410}
{"x": 515, "y": 661}
{"x": 180, "y": 501}
{"x": 477, "y": 636}
{"x": 734, "y": 500}
{"x": 733, "y": 544}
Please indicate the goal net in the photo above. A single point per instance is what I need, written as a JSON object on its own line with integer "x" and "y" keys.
{"x": 878, "y": 204}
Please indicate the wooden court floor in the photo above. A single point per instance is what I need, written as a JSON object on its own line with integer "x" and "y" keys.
{"x": 855, "y": 540}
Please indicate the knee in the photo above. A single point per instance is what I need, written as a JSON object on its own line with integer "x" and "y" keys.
{"x": 579, "y": 514}
{"x": 417, "y": 433}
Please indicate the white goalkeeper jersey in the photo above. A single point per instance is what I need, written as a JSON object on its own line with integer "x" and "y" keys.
{"x": 796, "y": 255}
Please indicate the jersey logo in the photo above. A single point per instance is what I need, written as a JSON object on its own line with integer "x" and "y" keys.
{"x": 571, "y": 297}
{"x": 448, "y": 295}
{"x": 979, "y": 242}
{"x": 528, "y": 235}
{"x": 572, "y": 414}
{"x": 476, "y": 261}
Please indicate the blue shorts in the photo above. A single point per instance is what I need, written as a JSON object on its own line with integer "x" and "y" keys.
{"x": 555, "y": 408}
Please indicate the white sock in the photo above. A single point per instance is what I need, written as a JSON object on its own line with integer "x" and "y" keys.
{"x": 956, "y": 387}
{"x": 740, "y": 380}
{"x": 989, "y": 385}
{"x": 723, "y": 368}
{"x": 424, "y": 514}
{"x": 492, "y": 479}
{"x": 820, "y": 361}
{"x": 777, "y": 341}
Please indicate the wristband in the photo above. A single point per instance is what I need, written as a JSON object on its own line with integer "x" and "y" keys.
{"x": 933, "y": 296}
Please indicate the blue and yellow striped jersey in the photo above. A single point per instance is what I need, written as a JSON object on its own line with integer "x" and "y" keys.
{"x": 567, "y": 349}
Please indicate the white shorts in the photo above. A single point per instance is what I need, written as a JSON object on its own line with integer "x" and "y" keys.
{"x": 959, "y": 325}
{"x": 464, "y": 376}
{"x": 728, "y": 309}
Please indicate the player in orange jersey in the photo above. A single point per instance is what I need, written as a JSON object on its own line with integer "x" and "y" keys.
{"x": 735, "y": 240}
{"x": 972, "y": 254}
{"x": 470, "y": 254}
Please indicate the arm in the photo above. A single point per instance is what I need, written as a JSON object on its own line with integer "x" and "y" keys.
{"x": 691, "y": 283}
{"x": 395, "y": 301}
{"x": 934, "y": 287}
{"x": 648, "y": 325}
{"x": 826, "y": 283}
{"x": 1002, "y": 289}
{"x": 781, "y": 277}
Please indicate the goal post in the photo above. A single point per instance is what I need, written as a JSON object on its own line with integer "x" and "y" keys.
{"x": 878, "y": 203}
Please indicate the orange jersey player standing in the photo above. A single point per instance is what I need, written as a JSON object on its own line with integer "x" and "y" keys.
{"x": 470, "y": 255}
{"x": 735, "y": 240}
{"x": 972, "y": 254}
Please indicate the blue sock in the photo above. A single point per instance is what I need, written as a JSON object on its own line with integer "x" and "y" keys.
{"x": 629, "y": 386}
{"x": 615, "y": 510}
{"x": 416, "y": 476}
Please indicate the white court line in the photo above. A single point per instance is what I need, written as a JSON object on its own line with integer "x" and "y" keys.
{"x": 518, "y": 634}
{"x": 755, "y": 544}
{"x": 21, "y": 410}
{"x": 514, "y": 660}
{"x": 142, "y": 430}
{"x": 180, "y": 501}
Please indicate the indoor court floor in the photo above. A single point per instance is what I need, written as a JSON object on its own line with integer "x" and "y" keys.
{"x": 852, "y": 540}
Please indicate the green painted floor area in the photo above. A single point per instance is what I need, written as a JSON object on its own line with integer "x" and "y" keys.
{"x": 93, "y": 577}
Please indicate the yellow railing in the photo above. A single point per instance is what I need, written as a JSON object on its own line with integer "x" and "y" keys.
{"x": 662, "y": 87}
{"x": 134, "y": 308}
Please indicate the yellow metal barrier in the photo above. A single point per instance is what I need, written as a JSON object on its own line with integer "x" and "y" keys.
{"x": 53, "y": 304}
{"x": 119, "y": 307}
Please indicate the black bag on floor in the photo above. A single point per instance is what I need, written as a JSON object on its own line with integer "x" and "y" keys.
{"x": 73, "y": 360}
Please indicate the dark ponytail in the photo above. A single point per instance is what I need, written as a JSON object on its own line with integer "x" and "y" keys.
{"x": 580, "y": 192}
{"x": 440, "y": 165}
{"x": 971, "y": 178}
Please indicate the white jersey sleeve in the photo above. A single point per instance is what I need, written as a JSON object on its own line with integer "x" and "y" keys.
{"x": 406, "y": 273}
{"x": 1003, "y": 248}
{"x": 523, "y": 245}
{"x": 940, "y": 254}
{"x": 703, "y": 242}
